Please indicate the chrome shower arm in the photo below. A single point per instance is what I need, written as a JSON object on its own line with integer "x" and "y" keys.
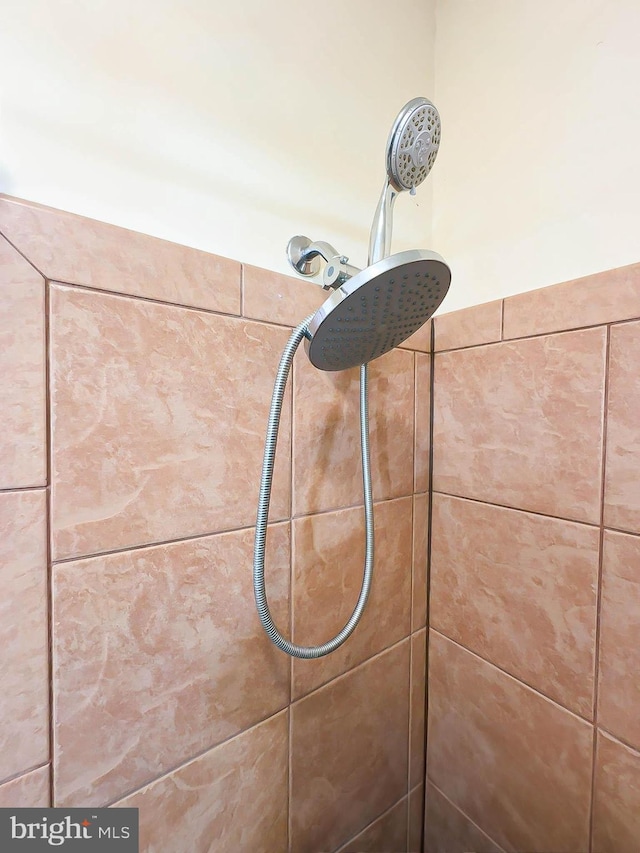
{"x": 382, "y": 226}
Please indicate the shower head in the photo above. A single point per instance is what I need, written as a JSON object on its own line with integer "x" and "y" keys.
{"x": 371, "y": 311}
{"x": 412, "y": 148}
{"x": 377, "y": 309}
{"x": 413, "y": 144}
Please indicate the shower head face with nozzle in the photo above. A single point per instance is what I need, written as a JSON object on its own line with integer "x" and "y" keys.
{"x": 413, "y": 144}
{"x": 377, "y": 309}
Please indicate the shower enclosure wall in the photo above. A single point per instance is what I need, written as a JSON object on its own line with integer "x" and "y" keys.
{"x": 132, "y": 439}
{"x": 132, "y": 433}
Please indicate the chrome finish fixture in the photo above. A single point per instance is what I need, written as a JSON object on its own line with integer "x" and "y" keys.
{"x": 382, "y": 227}
{"x": 377, "y": 309}
{"x": 412, "y": 148}
{"x": 369, "y": 312}
{"x": 300, "y": 259}
{"x": 413, "y": 144}
{"x": 304, "y": 256}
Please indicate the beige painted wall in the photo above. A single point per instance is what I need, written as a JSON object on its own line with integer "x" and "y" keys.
{"x": 225, "y": 126}
{"x": 231, "y": 129}
{"x": 538, "y": 175}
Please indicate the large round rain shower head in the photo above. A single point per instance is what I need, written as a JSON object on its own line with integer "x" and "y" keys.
{"x": 377, "y": 309}
{"x": 413, "y": 144}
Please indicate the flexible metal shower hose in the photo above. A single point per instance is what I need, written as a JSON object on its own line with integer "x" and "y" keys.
{"x": 286, "y": 360}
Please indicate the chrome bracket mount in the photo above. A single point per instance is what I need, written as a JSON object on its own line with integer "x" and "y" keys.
{"x": 305, "y": 257}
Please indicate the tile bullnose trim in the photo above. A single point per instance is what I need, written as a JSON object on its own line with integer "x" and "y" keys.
{"x": 78, "y": 250}
{"x": 467, "y": 327}
{"x": 609, "y": 296}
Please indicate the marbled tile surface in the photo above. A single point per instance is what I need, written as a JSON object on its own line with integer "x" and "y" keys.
{"x": 388, "y": 833}
{"x": 416, "y": 731}
{"x": 622, "y": 477}
{"x": 420, "y": 533}
{"x": 158, "y": 655}
{"x": 479, "y": 324}
{"x": 619, "y": 677}
{"x": 516, "y": 763}
{"x": 22, "y": 366}
{"x": 328, "y": 564}
{"x": 420, "y": 340}
{"x": 423, "y": 423}
{"x": 326, "y": 446}
{"x": 520, "y": 591}
{"x": 350, "y": 769}
{"x": 278, "y": 298}
{"x": 24, "y": 698}
{"x": 30, "y": 791}
{"x": 448, "y": 830}
{"x": 520, "y": 423}
{"x": 232, "y": 799}
{"x": 416, "y": 819}
{"x": 158, "y": 417}
{"x": 77, "y": 250}
{"x": 616, "y": 818}
{"x": 593, "y": 300}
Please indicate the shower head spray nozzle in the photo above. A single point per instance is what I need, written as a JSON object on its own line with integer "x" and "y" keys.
{"x": 413, "y": 144}
{"x": 412, "y": 148}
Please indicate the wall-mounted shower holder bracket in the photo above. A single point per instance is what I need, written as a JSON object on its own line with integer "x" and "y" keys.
{"x": 305, "y": 257}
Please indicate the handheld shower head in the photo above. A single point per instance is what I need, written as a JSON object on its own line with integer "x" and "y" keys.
{"x": 412, "y": 148}
{"x": 413, "y": 144}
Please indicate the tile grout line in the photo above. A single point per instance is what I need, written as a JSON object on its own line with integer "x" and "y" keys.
{"x": 414, "y": 457}
{"x": 539, "y": 335}
{"x": 14, "y": 776}
{"x": 510, "y": 675}
{"x": 463, "y": 813}
{"x": 598, "y": 626}
{"x": 633, "y": 533}
{"x": 154, "y": 300}
{"x": 284, "y": 709}
{"x": 413, "y": 575}
{"x": 343, "y": 844}
{"x": 289, "y": 773}
{"x": 393, "y": 647}
{"x": 22, "y": 254}
{"x": 627, "y": 744}
{"x": 186, "y": 761}
{"x": 49, "y": 528}
{"x": 432, "y": 376}
{"x": 410, "y": 718}
{"x": 195, "y": 536}
{"x": 594, "y": 524}
{"x": 11, "y": 489}
{"x": 215, "y": 312}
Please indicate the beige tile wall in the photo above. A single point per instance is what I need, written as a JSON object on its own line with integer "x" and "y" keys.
{"x": 534, "y": 697}
{"x": 131, "y": 452}
{"x": 136, "y": 671}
